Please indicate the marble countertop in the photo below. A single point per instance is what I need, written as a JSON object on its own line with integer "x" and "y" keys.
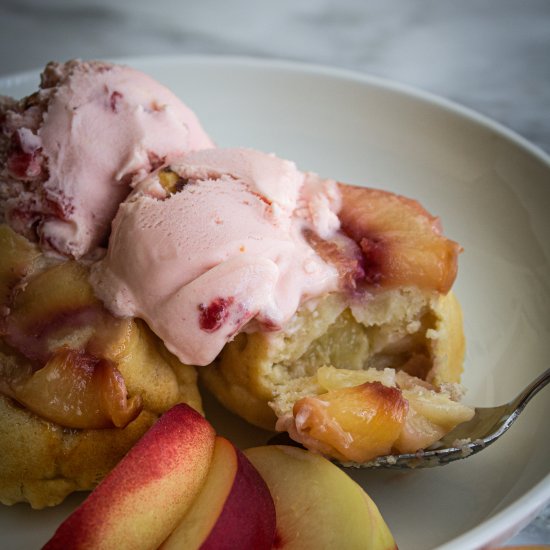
{"x": 490, "y": 55}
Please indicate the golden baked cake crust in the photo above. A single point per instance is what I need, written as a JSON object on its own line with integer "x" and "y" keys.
{"x": 43, "y": 462}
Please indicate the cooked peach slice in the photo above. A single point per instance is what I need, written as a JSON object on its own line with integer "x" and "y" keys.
{"x": 431, "y": 415}
{"x": 401, "y": 242}
{"x": 77, "y": 390}
{"x": 352, "y": 424}
{"x": 145, "y": 496}
{"x": 331, "y": 378}
{"x": 52, "y": 304}
{"x": 55, "y": 325}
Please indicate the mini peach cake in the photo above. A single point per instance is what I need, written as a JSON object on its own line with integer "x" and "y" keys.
{"x": 373, "y": 368}
{"x": 78, "y": 387}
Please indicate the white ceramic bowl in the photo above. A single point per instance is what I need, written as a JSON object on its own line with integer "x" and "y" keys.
{"x": 492, "y": 190}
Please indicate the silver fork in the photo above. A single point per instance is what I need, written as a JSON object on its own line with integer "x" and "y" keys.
{"x": 487, "y": 425}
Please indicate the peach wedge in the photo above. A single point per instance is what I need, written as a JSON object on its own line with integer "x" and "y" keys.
{"x": 317, "y": 504}
{"x": 233, "y": 510}
{"x": 144, "y": 497}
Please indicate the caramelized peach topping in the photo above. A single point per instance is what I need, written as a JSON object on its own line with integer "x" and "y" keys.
{"x": 401, "y": 242}
{"x": 77, "y": 390}
{"x": 357, "y": 423}
{"x": 49, "y": 307}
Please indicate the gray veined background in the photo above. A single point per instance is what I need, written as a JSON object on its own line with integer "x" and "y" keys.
{"x": 490, "y": 55}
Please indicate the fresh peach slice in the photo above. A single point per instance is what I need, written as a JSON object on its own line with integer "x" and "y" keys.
{"x": 233, "y": 510}
{"x": 401, "y": 242}
{"x": 352, "y": 424}
{"x": 317, "y": 504}
{"x": 144, "y": 497}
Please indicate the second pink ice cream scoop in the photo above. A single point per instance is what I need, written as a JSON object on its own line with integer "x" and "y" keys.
{"x": 215, "y": 244}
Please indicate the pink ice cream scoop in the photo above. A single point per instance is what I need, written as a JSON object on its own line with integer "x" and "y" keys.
{"x": 70, "y": 152}
{"x": 216, "y": 243}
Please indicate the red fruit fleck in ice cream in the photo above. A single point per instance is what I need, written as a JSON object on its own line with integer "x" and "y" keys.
{"x": 213, "y": 315}
{"x": 24, "y": 161}
{"x": 115, "y": 101}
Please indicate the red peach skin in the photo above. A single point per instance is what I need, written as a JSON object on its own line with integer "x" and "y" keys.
{"x": 144, "y": 497}
{"x": 233, "y": 510}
